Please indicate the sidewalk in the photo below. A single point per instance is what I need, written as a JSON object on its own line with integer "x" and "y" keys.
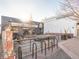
{"x": 42, "y": 55}
{"x": 56, "y": 54}
{"x": 71, "y": 47}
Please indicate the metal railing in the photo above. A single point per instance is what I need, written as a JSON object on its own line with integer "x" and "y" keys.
{"x": 19, "y": 53}
{"x": 34, "y": 50}
{"x": 46, "y": 43}
{"x": 43, "y": 42}
{"x": 52, "y": 46}
{"x": 45, "y": 47}
{"x": 30, "y": 45}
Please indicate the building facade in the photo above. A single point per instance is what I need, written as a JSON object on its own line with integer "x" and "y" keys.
{"x": 5, "y": 20}
{"x": 27, "y": 28}
{"x": 60, "y": 25}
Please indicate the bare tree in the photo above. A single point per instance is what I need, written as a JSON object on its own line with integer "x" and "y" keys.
{"x": 71, "y": 6}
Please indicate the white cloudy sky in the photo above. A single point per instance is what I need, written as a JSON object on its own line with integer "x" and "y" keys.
{"x": 39, "y": 9}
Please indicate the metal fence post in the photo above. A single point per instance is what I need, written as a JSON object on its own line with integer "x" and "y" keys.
{"x": 19, "y": 53}
{"x": 30, "y": 45}
{"x": 48, "y": 44}
{"x": 41, "y": 47}
{"x": 51, "y": 45}
{"x": 45, "y": 48}
{"x": 56, "y": 42}
{"x": 34, "y": 53}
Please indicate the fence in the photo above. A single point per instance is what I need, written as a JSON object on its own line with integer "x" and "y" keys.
{"x": 32, "y": 46}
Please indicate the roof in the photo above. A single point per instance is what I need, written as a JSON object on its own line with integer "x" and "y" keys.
{"x": 59, "y": 17}
{"x": 5, "y": 20}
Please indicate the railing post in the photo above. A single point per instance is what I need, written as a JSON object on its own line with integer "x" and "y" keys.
{"x": 41, "y": 47}
{"x": 56, "y": 42}
{"x": 34, "y": 53}
{"x": 51, "y": 45}
{"x": 45, "y": 47}
{"x": 19, "y": 53}
{"x": 33, "y": 50}
{"x": 48, "y": 44}
{"x": 30, "y": 45}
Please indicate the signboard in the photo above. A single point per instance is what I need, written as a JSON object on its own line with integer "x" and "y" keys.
{"x": 7, "y": 44}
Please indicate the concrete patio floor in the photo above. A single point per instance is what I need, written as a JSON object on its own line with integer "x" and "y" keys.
{"x": 71, "y": 47}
